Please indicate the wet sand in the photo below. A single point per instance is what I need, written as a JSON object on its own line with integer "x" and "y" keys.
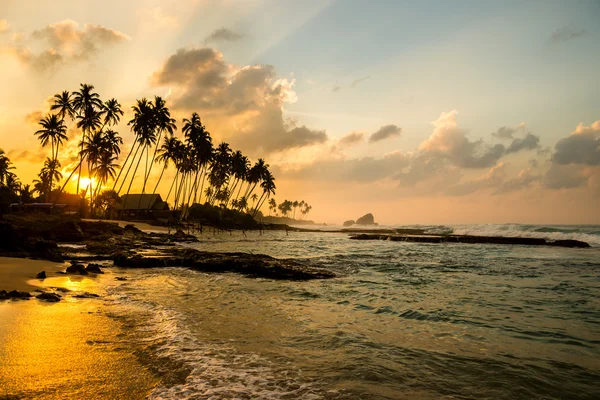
{"x": 69, "y": 349}
{"x": 19, "y": 273}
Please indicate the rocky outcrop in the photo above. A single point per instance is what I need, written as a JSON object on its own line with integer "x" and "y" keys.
{"x": 41, "y": 275}
{"x": 470, "y": 239}
{"x": 76, "y": 268}
{"x": 366, "y": 219}
{"x": 94, "y": 269}
{"x": 349, "y": 222}
{"x": 255, "y": 265}
{"x": 49, "y": 297}
{"x": 14, "y": 294}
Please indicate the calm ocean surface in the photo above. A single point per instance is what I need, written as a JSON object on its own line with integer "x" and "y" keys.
{"x": 403, "y": 320}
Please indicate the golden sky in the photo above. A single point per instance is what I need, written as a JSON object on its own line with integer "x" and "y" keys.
{"x": 418, "y": 113}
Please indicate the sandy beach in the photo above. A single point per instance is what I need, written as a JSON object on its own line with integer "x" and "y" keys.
{"x": 69, "y": 349}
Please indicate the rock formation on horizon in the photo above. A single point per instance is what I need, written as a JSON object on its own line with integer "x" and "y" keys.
{"x": 366, "y": 219}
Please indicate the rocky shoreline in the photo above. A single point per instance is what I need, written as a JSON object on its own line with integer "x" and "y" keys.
{"x": 84, "y": 242}
{"x": 418, "y": 237}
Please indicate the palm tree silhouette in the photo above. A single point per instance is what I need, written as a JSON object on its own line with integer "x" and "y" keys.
{"x": 63, "y": 103}
{"x": 53, "y": 131}
{"x": 88, "y": 107}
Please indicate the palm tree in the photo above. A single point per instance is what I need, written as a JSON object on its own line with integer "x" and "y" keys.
{"x": 105, "y": 168}
{"x": 5, "y": 168}
{"x": 143, "y": 126}
{"x": 88, "y": 107}
{"x": 268, "y": 186}
{"x": 272, "y": 206}
{"x": 53, "y": 131}
{"x": 64, "y": 104}
{"x": 167, "y": 153}
{"x": 162, "y": 122}
{"x": 26, "y": 194}
{"x": 112, "y": 113}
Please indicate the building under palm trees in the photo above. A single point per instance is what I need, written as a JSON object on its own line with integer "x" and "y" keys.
{"x": 143, "y": 206}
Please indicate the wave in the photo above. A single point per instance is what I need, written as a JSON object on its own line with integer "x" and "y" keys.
{"x": 585, "y": 233}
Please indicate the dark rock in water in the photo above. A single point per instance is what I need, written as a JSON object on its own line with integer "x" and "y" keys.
{"x": 67, "y": 231}
{"x": 349, "y": 222}
{"x": 181, "y": 236}
{"x": 14, "y": 294}
{"x": 469, "y": 239}
{"x": 366, "y": 219}
{"x": 50, "y": 297}
{"x": 94, "y": 269}
{"x": 76, "y": 269}
{"x": 41, "y": 275}
{"x": 131, "y": 229}
{"x": 569, "y": 243}
{"x": 86, "y": 295}
{"x": 120, "y": 278}
{"x": 255, "y": 265}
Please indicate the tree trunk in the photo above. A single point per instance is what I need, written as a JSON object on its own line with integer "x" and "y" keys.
{"x": 124, "y": 164}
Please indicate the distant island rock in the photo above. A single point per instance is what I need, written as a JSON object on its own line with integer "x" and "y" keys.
{"x": 366, "y": 219}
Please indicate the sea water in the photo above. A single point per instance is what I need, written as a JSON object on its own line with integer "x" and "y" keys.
{"x": 402, "y": 320}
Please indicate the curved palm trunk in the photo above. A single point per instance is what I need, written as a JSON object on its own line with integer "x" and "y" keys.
{"x": 172, "y": 184}
{"x": 202, "y": 184}
{"x": 159, "y": 179}
{"x": 260, "y": 204}
{"x": 67, "y": 181}
{"x": 147, "y": 174}
{"x": 127, "y": 173}
{"x": 134, "y": 172}
{"x": 124, "y": 164}
{"x": 144, "y": 186}
{"x": 80, "y": 162}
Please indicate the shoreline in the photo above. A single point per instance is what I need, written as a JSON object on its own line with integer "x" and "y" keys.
{"x": 71, "y": 348}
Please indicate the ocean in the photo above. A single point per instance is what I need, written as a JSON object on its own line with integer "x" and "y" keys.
{"x": 402, "y": 320}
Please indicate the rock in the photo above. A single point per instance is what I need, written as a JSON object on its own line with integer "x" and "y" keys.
{"x": 569, "y": 243}
{"x": 254, "y": 265}
{"x": 366, "y": 219}
{"x": 120, "y": 278}
{"x": 50, "y": 297}
{"x": 41, "y": 275}
{"x": 94, "y": 269}
{"x": 131, "y": 229}
{"x": 76, "y": 269}
{"x": 14, "y": 294}
{"x": 349, "y": 222}
{"x": 67, "y": 231}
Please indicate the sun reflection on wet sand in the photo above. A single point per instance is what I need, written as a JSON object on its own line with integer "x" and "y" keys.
{"x": 69, "y": 349}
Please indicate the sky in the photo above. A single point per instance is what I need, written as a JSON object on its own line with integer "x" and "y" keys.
{"x": 431, "y": 112}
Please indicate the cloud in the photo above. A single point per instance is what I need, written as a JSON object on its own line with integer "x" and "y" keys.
{"x": 246, "y": 103}
{"x": 362, "y": 170}
{"x": 63, "y": 42}
{"x": 492, "y": 178}
{"x": 449, "y": 142}
{"x": 223, "y": 35}
{"x": 565, "y": 34}
{"x": 580, "y": 147}
{"x": 31, "y": 156}
{"x": 351, "y": 139}
{"x": 576, "y": 159}
{"x": 529, "y": 142}
{"x": 4, "y": 26}
{"x": 385, "y": 132}
{"x": 336, "y": 88}
{"x": 524, "y": 179}
{"x": 34, "y": 117}
{"x": 359, "y": 80}
{"x": 505, "y": 132}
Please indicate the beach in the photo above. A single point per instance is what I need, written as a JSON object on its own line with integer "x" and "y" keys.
{"x": 398, "y": 320}
{"x": 65, "y": 349}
